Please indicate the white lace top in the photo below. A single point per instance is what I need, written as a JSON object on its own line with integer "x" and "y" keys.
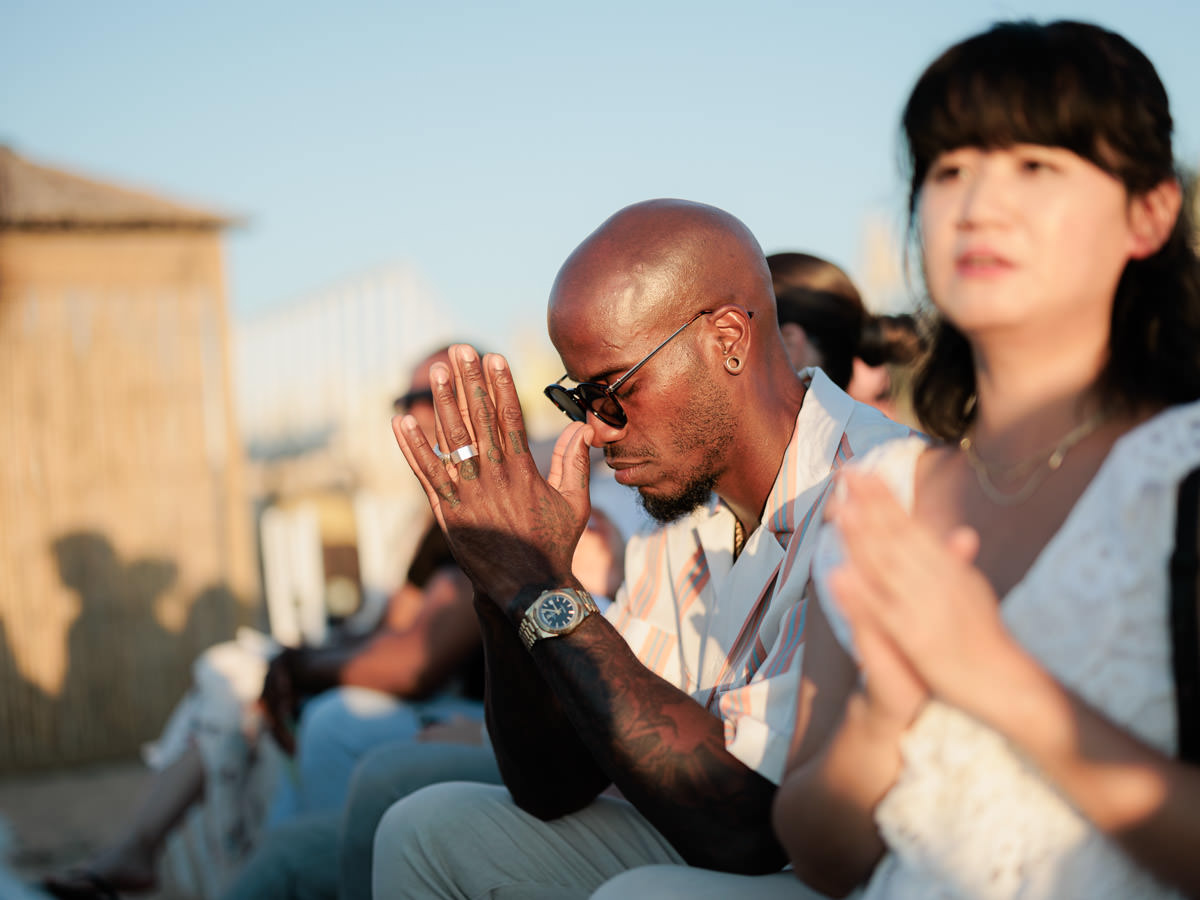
{"x": 968, "y": 815}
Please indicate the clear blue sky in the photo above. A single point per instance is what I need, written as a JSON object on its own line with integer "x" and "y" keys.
{"x": 482, "y": 142}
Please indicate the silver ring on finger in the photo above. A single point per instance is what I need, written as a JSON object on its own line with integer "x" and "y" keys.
{"x": 462, "y": 454}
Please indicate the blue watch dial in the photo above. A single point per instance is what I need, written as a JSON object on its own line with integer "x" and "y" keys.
{"x": 557, "y": 612}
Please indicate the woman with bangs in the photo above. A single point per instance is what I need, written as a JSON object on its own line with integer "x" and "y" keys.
{"x": 988, "y": 707}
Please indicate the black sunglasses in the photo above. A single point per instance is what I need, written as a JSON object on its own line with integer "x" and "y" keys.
{"x": 406, "y": 402}
{"x": 601, "y": 399}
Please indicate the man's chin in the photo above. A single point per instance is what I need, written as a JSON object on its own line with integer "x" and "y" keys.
{"x": 668, "y": 508}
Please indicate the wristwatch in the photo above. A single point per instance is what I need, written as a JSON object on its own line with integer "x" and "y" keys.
{"x": 555, "y": 613}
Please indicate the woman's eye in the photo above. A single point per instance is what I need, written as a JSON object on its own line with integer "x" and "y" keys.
{"x": 944, "y": 172}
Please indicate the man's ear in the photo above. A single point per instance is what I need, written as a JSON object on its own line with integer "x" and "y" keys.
{"x": 1152, "y": 216}
{"x": 733, "y": 330}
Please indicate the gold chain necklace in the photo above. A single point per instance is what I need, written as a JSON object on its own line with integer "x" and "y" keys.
{"x": 739, "y": 537}
{"x": 1039, "y": 466}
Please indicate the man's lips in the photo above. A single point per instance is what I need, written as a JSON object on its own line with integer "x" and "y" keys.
{"x": 625, "y": 470}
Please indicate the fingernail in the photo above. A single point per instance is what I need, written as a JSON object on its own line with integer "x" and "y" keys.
{"x": 440, "y": 375}
{"x": 466, "y": 353}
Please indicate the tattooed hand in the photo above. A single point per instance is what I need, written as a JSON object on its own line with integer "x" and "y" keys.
{"x": 507, "y": 526}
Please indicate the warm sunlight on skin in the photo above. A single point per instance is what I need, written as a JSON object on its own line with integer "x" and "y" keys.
{"x": 1024, "y": 236}
{"x": 873, "y": 385}
{"x": 1138, "y": 791}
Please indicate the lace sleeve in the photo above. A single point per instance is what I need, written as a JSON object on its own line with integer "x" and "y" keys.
{"x": 969, "y": 815}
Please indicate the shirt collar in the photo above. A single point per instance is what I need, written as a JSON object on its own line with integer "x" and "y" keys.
{"x": 810, "y": 454}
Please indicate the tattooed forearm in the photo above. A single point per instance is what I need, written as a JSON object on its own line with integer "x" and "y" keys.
{"x": 665, "y": 752}
{"x": 526, "y": 723}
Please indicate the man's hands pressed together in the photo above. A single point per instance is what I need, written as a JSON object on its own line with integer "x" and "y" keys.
{"x": 509, "y": 527}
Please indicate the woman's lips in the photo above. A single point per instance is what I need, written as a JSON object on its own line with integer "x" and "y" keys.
{"x": 981, "y": 261}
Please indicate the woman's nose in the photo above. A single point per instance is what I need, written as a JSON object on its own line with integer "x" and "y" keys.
{"x": 983, "y": 200}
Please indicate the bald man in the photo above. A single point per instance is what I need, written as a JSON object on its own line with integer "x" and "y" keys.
{"x": 681, "y": 699}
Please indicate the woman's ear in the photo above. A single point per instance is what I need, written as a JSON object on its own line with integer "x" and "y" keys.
{"x": 1152, "y": 216}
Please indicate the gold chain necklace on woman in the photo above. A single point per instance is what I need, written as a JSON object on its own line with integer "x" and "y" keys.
{"x": 1039, "y": 466}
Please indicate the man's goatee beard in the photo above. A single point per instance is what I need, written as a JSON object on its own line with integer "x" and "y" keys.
{"x": 667, "y": 509}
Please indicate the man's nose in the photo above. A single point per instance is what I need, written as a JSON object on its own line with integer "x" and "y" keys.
{"x": 602, "y": 432}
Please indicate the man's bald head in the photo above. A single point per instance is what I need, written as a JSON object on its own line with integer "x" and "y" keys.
{"x": 699, "y": 415}
{"x": 660, "y": 261}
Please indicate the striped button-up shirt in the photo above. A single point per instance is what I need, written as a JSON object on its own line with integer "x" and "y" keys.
{"x": 730, "y": 633}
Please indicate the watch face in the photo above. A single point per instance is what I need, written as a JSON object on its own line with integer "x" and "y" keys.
{"x": 558, "y": 612}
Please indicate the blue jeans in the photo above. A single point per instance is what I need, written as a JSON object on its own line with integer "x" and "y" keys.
{"x": 337, "y": 728}
{"x": 315, "y": 857}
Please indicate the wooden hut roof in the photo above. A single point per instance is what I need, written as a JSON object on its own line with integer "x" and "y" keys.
{"x": 34, "y": 196}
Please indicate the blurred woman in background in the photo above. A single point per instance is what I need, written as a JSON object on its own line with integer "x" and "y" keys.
{"x": 825, "y": 323}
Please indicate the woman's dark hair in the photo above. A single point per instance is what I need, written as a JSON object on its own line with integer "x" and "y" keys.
{"x": 803, "y": 270}
{"x": 1090, "y": 91}
{"x": 894, "y": 340}
{"x": 819, "y": 297}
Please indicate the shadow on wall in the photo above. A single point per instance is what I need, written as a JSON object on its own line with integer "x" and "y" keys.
{"x": 125, "y": 671}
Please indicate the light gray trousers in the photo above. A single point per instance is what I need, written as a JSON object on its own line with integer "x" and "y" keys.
{"x": 686, "y": 883}
{"x": 470, "y": 841}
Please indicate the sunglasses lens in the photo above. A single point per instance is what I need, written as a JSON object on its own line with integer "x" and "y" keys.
{"x": 603, "y": 405}
{"x": 565, "y": 400}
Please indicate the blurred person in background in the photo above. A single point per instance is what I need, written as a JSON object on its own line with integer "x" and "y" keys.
{"x": 323, "y": 706}
{"x": 825, "y": 323}
{"x": 888, "y": 352}
{"x": 326, "y": 856}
